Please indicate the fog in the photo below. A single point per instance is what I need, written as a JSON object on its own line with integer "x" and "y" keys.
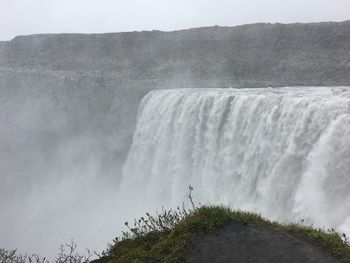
{"x": 58, "y": 182}
{"x": 61, "y": 165}
{"x": 23, "y": 17}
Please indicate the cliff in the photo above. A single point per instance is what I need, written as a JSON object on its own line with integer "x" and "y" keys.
{"x": 257, "y": 54}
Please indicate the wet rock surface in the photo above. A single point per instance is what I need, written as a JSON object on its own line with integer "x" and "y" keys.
{"x": 242, "y": 243}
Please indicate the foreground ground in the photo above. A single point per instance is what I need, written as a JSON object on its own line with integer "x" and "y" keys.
{"x": 218, "y": 234}
{"x": 237, "y": 242}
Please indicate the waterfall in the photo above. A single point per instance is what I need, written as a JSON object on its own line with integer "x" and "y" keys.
{"x": 281, "y": 152}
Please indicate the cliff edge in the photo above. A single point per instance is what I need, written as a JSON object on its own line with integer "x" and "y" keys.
{"x": 220, "y": 235}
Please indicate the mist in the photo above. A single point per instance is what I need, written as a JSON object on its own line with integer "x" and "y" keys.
{"x": 58, "y": 177}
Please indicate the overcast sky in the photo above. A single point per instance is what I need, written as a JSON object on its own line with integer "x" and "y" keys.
{"x": 23, "y": 17}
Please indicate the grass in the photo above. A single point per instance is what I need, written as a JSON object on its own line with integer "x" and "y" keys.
{"x": 165, "y": 237}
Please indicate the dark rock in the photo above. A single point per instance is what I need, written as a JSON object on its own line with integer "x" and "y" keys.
{"x": 256, "y": 244}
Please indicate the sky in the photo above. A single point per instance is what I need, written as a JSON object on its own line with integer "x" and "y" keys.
{"x": 23, "y": 17}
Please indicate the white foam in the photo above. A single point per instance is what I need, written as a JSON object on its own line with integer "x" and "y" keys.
{"x": 284, "y": 152}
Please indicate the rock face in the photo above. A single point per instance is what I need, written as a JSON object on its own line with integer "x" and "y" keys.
{"x": 237, "y": 242}
{"x": 258, "y": 54}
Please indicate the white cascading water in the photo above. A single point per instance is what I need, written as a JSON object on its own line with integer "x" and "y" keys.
{"x": 282, "y": 152}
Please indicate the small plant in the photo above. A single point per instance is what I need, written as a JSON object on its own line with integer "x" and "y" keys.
{"x": 67, "y": 254}
{"x": 190, "y": 197}
{"x": 161, "y": 222}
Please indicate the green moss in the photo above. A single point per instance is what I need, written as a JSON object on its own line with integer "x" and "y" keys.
{"x": 168, "y": 245}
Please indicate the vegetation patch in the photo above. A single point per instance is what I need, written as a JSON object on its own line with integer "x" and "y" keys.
{"x": 166, "y": 236}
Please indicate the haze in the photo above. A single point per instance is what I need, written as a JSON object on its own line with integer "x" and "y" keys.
{"x": 23, "y": 17}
